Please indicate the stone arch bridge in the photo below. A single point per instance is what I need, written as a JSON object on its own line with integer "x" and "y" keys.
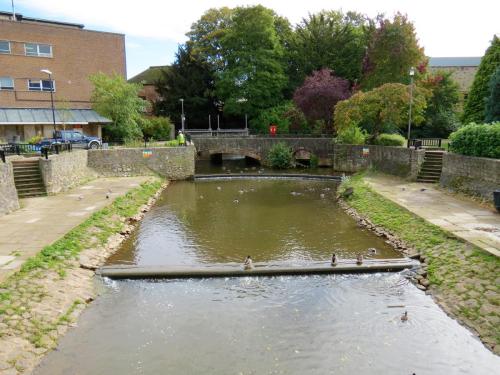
{"x": 258, "y": 147}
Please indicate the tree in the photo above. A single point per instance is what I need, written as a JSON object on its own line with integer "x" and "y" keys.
{"x": 440, "y": 114}
{"x": 381, "y": 110}
{"x": 118, "y": 100}
{"x": 155, "y": 127}
{"x": 330, "y": 39}
{"x": 474, "y": 108}
{"x": 191, "y": 79}
{"x": 253, "y": 78}
{"x": 493, "y": 102}
{"x": 392, "y": 50}
{"x": 319, "y": 94}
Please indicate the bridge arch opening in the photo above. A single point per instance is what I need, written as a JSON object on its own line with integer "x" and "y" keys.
{"x": 245, "y": 160}
{"x": 303, "y": 157}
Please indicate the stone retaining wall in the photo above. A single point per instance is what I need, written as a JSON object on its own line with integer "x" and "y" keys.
{"x": 399, "y": 161}
{"x": 8, "y": 193}
{"x": 174, "y": 163}
{"x": 65, "y": 171}
{"x": 471, "y": 175}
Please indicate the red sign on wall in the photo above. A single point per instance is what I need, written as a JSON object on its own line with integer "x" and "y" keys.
{"x": 272, "y": 129}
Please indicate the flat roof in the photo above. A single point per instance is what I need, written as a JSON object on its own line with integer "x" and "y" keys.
{"x": 454, "y": 61}
{"x": 43, "y": 116}
{"x": 20, "y": 17}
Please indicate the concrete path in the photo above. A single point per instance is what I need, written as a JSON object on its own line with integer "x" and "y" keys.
{"x": 464, "y": 218}
{"x": 43, "y": 220}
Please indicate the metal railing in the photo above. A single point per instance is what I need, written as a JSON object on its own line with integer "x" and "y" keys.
{"x": 29, "y": 149}
{"x": 425, "y": 142}
{"x": 217, "y": 132}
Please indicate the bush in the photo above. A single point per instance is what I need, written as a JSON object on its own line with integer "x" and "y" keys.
{"x": 155, "y": 127}
{"x": 172, "y": 143}
{"x": 353, "y": 135}
{"x": 389, "y": 140}
{"x": 280, "y": 156}
{"x": 477, "y": 140}
{"x": 274, "y": 115}
{"x": 35, "y": 139}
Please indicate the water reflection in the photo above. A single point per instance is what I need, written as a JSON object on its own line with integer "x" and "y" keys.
{"x": 284, "y": 325}
{"x": 223, "y": 221}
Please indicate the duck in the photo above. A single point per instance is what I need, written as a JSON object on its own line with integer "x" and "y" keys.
{"x": 334, "y": 259}
{"x": 404, "y": 317}
{"x": 236, "y": 201}
{"x": 359, "y": 259}
{"x": 248, "y": 264}
{"x": 219, "y": 188}
{"x": 372, "y": 251}
{"x": 322, "y": 195}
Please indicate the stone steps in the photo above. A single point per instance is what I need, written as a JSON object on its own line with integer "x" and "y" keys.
{"x": 430, "y": 171}
{"x": 28, "y": 179}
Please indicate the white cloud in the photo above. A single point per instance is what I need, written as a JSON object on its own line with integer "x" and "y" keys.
{"x": 444, "y": 27}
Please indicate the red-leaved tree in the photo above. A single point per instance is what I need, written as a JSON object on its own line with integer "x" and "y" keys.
{"x": 319, "y": 94}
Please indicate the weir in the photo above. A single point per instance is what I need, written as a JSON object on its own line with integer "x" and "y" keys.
{"x": 260, "y": 269}
{"x": 230, "y": 176}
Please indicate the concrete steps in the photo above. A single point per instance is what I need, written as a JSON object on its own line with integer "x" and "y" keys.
{"x": 432, "y": 167}
{"x": 28, "y": 179}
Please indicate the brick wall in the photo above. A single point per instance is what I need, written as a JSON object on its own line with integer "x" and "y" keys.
{"x": 174, "y": 163}
{"x": 471, "y": 175}
{"x": 76, "y": 54}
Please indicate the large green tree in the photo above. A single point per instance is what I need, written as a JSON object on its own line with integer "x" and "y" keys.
{"x": 329, "y": 39}
{"x": 493, "y": 102}
{"x": 392, "y": 50}
{"x": 381, "y": 110}
{"x": 118, "y": 100}
{"x": 189, "y": 78}
{"x": 253, "y": 77}
{"x": 476, "y": 100}
{"x": 440, "y": 115}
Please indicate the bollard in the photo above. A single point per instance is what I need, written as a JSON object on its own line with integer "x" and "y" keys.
{"x": 2, "y": 155}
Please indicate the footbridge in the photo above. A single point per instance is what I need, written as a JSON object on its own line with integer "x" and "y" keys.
{"x": 258, "y": 147}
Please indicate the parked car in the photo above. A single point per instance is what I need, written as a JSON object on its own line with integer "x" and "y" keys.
{"x": 77, "y": 139}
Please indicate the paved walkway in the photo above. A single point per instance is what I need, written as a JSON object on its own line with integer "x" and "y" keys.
{"x": 43, "y": 220}
{"x": 464, "y": 218}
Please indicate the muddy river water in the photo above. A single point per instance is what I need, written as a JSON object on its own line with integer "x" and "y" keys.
{"x": 338, "y": 324}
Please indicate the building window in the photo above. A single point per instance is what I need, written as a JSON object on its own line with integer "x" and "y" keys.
{"x": 4, "y": 46}
{"x": 41, "y": 50}
{"x": 41, "y": 85}
{"x": 6, "y": 83}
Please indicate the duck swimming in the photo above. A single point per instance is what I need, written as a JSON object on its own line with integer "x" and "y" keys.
{"x": 404, "y": 317}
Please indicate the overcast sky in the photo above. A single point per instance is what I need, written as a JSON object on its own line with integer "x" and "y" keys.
{"x": 154, "y": 28}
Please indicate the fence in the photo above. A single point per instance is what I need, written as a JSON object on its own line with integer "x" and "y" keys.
{"x": 29, "y": 149}
{"x": 425, "y": 142}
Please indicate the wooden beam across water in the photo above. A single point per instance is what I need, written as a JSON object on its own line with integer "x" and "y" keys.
{"x": 260, "y": 269}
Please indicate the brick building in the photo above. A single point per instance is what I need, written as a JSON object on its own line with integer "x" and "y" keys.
{"x": 148, "y": 80}
{"x": 71, "y": 53}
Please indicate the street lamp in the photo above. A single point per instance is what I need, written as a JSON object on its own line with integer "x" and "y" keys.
{"x": 46, "y": 71}
{"x": 182, "y": 115}
{"x": 412, "y": 73}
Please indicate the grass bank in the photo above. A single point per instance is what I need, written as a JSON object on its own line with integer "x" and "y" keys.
{"x": 39, "y": 301}
{"x": 464, "y": 279}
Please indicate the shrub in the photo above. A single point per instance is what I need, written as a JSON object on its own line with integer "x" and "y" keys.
{"x": 172, "y": 143}
{"x": 274, "y": 115}
{"x": 35, "y": 139}
{"x": 389, "y": 140}
{"x": 155, "y": 127}
{"x": 477, "y": 140}
{"x": 353, "y": 135}
{"x": 280, "y": 156}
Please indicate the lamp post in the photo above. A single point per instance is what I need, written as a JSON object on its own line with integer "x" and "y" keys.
{"x": 412, "y": 73}
{"x": 51, "y": 95}
{"x": 182, "y": 115}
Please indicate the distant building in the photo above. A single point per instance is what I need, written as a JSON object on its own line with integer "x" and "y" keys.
{"x": 148, "y": 79}
{"x": 71, "y": 53}
{"x": 463, "y": 69}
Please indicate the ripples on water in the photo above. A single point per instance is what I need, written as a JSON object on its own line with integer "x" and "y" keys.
{"x": 281, "y": 325}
